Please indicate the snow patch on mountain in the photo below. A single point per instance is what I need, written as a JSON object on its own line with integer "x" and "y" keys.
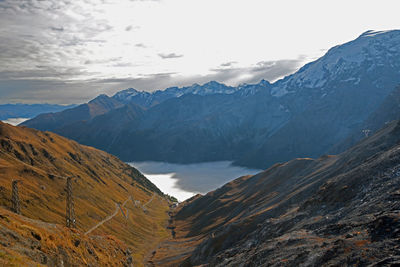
{"x": 371, "y": 50}
{"x": 342, "y": 59}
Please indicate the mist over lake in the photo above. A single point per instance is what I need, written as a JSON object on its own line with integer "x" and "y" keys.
{"x": 185, "y": 180}
{"x": 15, "y": 121}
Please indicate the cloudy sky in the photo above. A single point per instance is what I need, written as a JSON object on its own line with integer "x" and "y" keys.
{"x": 69, "y": 51}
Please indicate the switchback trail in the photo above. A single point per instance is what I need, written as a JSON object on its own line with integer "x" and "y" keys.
{"x": 117, "y": 207}
{"x": 148, "y": 202}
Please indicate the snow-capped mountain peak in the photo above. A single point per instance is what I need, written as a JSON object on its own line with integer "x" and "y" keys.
{"x": 369, "y": 50}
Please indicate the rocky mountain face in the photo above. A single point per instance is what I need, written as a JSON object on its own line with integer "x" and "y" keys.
{"x": 306, "y": 114}
{"x": 332, "y": 211}
{"x": 127, "y": 205}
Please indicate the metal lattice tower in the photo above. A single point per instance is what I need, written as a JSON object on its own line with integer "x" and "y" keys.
{"x": 70, "y": 215}
{"x": 15, "y": 197}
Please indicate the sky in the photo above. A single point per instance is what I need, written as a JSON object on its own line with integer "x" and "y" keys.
{"x": 69, "y": 51}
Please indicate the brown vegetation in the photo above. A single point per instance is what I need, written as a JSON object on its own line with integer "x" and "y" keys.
{"x": 42, "y": 160}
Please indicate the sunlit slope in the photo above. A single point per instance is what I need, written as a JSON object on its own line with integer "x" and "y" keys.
{"x": 27, "y": 242}
{"x": 42, "y": 160}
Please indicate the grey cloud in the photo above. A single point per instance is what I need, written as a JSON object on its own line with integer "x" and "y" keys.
{"x": 46, "y": 91}
{"x": 28, "y": 38}
{"x": 141, "y": 45}
{"x": 59, "y": 29}
{"x": 268, "y": 70}
{"x": 131, "y": 28}
{"x": 43, "y": 61}
{"x": 170, "y": 55}
{"x": 228, "y": 64}
{"x": 102, "y": 61}
{"x": 123, "y": 65}
{"x": 61, "y": 92}
{"x": 43, "y": 73}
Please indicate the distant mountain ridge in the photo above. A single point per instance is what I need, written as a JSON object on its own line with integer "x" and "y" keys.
{"x": 147, "y": 99}
{"x": 305, "y": 114}
{"x": 8, "y": 111}
{"x": 52, "y": 121}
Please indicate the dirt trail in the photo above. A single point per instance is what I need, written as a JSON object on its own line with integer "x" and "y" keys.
{"x": 148, "y": 202}
{"x": 117, "y": 207}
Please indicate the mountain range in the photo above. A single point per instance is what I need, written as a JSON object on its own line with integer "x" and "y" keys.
{"x": 322, "y": 108}
{"x": 8, "y": 111}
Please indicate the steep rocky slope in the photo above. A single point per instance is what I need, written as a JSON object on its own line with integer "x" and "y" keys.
{"x": 306, "y": 114}
{"x": 103, "y": 187}
{"x": 333, "y": 211}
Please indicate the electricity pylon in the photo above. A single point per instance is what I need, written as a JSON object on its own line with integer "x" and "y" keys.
{"x": 70, "y": 214}
{"x": 15, "y": 197}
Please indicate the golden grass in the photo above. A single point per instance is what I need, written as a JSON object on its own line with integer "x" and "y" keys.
{"x": 38, "y": 158}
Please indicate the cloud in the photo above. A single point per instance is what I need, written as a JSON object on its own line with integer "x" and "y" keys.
{"x": 63, "y": 51}
{"x": 131, "y": 27}
{"x": 170, "y": 55}
{"x": 141, "y": 45}
{"x": 20, "y": 89}
{"x": 30, "y": 39}
{"x": 268, "y": 70}
{"x": 228, "y": 64}
{"x": 59, "y": 29}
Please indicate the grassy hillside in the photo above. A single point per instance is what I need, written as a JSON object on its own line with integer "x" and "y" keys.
{"x": 42, "y": 160}
{"x": 27, "y": 242}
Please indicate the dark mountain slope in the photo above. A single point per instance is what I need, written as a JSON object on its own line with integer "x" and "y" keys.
{"x": 210, "y": 127}
{"x": 387, "y": 112}
{"x": 53, "y": 121}
{"x": 335, "y": 210}
{"x": 103, "y": 135}
{"x": 28, "y": 110}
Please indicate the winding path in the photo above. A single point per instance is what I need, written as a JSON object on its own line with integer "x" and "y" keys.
{"x": 117, "y": 207}
{"x": 148, "y": 202}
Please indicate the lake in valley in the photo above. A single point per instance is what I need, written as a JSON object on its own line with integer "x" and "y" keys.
{"x": 185, "y": 180}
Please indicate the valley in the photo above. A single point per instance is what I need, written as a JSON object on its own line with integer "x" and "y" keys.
{"x": 300, "y": 171}
{"x": 186, "y": 180}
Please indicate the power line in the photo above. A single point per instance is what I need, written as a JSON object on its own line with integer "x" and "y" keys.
{"x": 15, "y": 197}
{"x": 70, "y": 211}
